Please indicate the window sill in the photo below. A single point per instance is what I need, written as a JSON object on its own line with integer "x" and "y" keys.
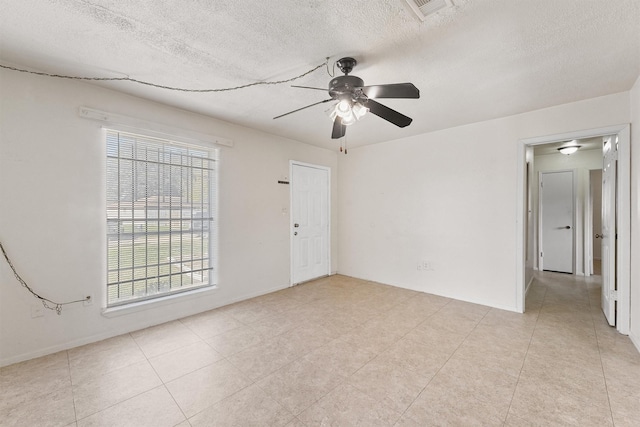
{"x": 135, "y": 307}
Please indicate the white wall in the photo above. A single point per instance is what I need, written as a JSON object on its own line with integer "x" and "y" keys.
{"x": 580, "y": 162}
{"x": 52, "y": 212}
{"x": 449, "y": 198}
{"x": 635, "y": 214}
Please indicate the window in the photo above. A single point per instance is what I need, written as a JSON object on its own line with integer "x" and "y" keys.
{"x": 160, "y": 217}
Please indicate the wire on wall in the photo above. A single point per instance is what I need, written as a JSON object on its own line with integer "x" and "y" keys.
{"x": 56, "y": 306}
{"x": 179, "y": 89}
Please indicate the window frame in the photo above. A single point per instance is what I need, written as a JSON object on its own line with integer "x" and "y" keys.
{"x": 170, "y": 142}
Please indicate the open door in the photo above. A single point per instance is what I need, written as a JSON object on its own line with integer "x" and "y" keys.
{"x": 609, "y": 205}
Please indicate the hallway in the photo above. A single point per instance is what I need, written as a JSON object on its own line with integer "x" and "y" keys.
{"x": 578, "y": 370}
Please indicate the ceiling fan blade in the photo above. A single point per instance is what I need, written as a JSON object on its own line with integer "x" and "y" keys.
{"x": 311, "y": 105}
{"x": 388, "y": 114}
{"x": 395, "y": 90}
{"x": 339, "y": 129}
{"x": 309, "y": 87}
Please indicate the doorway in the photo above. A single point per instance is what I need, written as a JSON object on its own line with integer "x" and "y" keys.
{"x": 621, "y": 134}
{"x": 310, "y": 222}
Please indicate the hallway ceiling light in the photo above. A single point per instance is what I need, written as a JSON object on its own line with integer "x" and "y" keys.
{"x": 569, "y": 149}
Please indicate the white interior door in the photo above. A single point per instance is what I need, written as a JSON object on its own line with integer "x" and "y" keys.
{"x": 310, "y": 223}
{"x": 609, "y": 202}
{"x": 556, "y": 206}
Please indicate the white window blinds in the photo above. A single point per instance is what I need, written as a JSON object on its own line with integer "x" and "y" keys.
{"x": 160, "y": 217}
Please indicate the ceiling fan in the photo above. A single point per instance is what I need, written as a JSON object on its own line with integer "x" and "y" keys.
{"x": 354, "y": 99}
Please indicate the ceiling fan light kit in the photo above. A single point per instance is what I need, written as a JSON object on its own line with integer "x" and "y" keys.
{"x": 354, "y": 99}
{"x": 348, "y": 111}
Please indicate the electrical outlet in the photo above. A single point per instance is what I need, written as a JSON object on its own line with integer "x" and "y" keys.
{"x": 88, "y": 300}
{"x": 37, "y": 310}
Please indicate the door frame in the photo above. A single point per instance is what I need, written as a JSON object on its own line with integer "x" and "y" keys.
{"x": 573, "y": 219}
{"x": 292, "y": 164}
{"x": 623, "y": 246}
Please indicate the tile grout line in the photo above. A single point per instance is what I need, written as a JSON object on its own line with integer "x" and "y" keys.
{"x": 223, "y": 357}
{"x": 407, "y": 333}
{"x": 447, "y": 361}
{"x": 136, "y": 395}
{"x": 546, "y": 288}
{"x": 73, "y": 394}
{"x": 604, "y": 375}
{"x": 255, "y": 382}
{"x": 463, "y": 341}
{"x": 302, "y": 356}
{"x": 346, "y": 379}
{"x": 164, "y": 385}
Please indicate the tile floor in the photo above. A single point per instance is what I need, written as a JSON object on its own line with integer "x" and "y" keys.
{"x": 346, "y": 352}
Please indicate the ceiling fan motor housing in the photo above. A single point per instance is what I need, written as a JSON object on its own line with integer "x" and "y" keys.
{"x": 345, "y": 87}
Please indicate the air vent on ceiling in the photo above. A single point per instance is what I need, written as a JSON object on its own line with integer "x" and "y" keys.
{"x": 424, "y": 8}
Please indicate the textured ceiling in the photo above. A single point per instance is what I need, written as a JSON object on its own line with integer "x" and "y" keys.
{"x": 481, "y": 59}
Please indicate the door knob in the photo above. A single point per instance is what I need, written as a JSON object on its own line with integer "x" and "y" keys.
{"x": 296, "y": 225}
{"x": 295, "y": 233}
{"x": 568, "y": 227}
{"x": 599, "y": 236}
